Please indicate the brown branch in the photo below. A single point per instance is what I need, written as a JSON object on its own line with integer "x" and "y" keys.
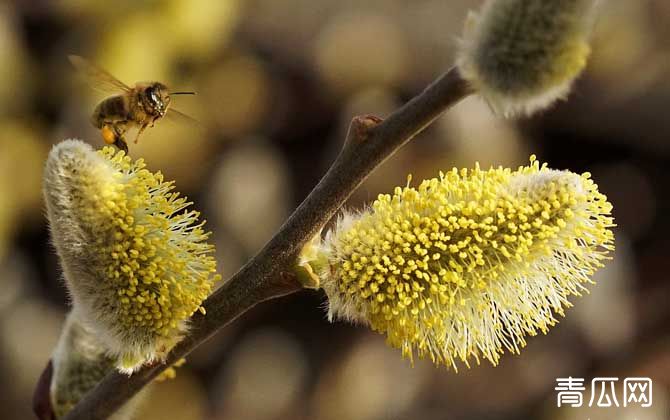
{"x": 369, "y": 142}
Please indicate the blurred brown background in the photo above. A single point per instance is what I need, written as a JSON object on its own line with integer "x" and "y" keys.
{"x": 278, "y": 83}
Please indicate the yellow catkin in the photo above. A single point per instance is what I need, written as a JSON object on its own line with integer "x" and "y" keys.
{"x": 135, "y": 258}
{"x": 470, "y": 263}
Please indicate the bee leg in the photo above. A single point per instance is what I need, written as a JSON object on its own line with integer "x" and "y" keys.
{"x": 119, "y": 139}
{"x": 141, "y": 130}
{"x": 122, "y": 145}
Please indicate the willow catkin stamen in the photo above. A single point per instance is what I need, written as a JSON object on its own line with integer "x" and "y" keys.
{"x": 135, "y": 259}
{"x": 468, "y": 264}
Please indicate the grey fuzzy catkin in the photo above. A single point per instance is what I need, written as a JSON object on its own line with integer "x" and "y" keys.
{"x": 79, "y": 363}
{"x": 523, "y": 55}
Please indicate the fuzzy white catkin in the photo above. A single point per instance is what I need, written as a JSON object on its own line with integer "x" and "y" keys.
{"x": 523, "y": 55}
{"x": 79, "y": 363}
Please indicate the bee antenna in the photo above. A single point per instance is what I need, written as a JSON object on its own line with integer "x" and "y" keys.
{"x": 183, "y": 93}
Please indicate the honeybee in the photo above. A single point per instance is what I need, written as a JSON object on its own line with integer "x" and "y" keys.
{"x": 140, "y": 106}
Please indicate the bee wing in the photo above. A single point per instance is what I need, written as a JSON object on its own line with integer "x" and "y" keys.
{"x": 178, "y": 116}
{"x": 98, "y": 78}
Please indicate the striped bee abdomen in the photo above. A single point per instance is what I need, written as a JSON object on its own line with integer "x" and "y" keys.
{"x": 111, "y": 110}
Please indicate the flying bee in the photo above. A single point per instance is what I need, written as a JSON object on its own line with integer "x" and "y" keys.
{"x": 140, "y": 106}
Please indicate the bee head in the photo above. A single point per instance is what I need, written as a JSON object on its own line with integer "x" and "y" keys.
{"x": 156, "y": 99}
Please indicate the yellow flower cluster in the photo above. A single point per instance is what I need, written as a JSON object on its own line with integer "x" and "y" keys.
{"x": 469, "y": 263}
{"x": 522, "y": 55}
{"x": 135, "y": 259}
